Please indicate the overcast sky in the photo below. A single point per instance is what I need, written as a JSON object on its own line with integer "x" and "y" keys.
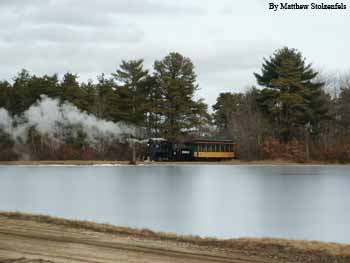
{"x": 226, "y": 39}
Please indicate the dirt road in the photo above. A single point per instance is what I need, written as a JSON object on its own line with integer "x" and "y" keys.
{"x": 25, "y": 241}
{"x": 34, "y": 239}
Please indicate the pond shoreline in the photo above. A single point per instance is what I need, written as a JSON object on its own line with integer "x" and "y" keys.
{"x": 117, "y": 163}
{"x": 66, "y": 239}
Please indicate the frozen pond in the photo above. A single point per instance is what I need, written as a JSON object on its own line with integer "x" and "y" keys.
{"x": 297, "y": 202}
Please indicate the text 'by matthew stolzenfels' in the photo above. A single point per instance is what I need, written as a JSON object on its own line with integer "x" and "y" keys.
{"x": 309, "y": 6}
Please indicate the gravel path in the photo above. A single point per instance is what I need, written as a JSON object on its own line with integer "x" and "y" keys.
{"x": 32, "y": 242}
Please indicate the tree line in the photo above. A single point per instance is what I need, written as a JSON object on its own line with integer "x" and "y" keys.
{"x": 290, "y": 115}
{"x": 162, "y": 102}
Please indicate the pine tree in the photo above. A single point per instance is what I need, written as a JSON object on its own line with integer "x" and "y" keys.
{"x": 20, "y": 97}
{"x": 89, "y": 90}
{"x": 292, "y": 98}
{"x": 153, "y": 107}
{"x": 201, "y": 120}
{"x": 71, "y": 90}
{"x": 5, "y": 88}
{"x": 177, "y": 81}
{"x": 343, "y": 110}
{"x": 106, "y": 102}
{"x": 226, "y": 104}
{"x": 132, "y": 94}
{"x": 132, "y": 77}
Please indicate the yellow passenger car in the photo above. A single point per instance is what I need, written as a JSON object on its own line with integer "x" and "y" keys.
{"x": 212, "y": 149}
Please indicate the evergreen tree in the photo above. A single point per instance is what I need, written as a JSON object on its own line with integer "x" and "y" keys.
{"x": 5, "y": 89}
{"x": 20, "y": 97}
{"x": 27, "y": 89}
{"x": 153, "y": 107}
{"x": 71, "y": 90}
{"x": 177, "y": 81}
{"x": 131, "y": 92}
{"x": 292, "y": 98}
{"x": 106, "y": 101}
{"x": 89, "y": 90}
{"x": 201, "y": 120}
{"x": 343, "y": 109}
{"x": 226, "y": 104}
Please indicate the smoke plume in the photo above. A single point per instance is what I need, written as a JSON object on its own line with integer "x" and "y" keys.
{"x": 6, "y": 121}
{"x": 54, "y": 120}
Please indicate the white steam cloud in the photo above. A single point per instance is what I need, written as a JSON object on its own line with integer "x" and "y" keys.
{"x": 54, "y": 120}
{"x": 6, "y": 121}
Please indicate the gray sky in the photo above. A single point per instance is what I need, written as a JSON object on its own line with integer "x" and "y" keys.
{"x": 226, "y": 39}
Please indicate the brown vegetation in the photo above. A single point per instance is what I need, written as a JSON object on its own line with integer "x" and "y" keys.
{"x": 274, "y": 149}
{"x": 337, "y": 153}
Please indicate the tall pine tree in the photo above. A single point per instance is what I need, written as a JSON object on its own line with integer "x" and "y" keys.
{"x": 177, "y": 81}
{"x": 132, "y": 77}
{"x": 292, "y": 98}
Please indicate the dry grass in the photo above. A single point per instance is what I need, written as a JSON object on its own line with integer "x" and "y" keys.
{"x": 284, "y": 250}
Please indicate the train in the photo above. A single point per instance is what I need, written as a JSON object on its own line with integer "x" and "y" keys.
{"x": 159, "y": 149}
